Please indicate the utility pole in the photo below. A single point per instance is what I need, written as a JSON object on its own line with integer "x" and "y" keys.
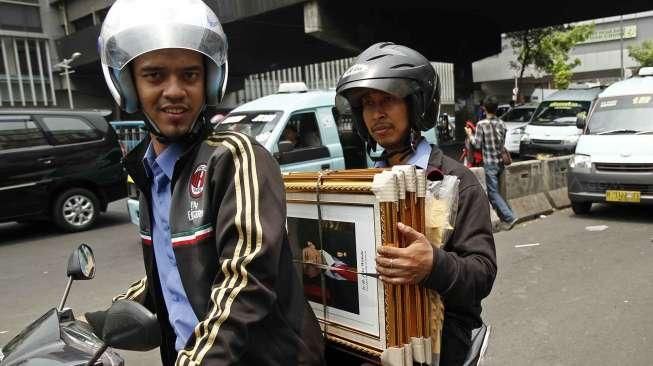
{"x": 621, "y": 42}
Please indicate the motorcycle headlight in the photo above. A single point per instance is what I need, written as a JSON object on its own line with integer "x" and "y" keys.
{"x": 580, "y": 161}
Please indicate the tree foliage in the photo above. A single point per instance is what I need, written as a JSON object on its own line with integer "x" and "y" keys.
{"x": 642, "y": 53}
{"x": 547, "y": 49}
{"x": 558, "y": 45}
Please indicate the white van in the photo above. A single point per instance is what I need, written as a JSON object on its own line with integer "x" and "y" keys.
{"x": 613, "y": 161}
{"x": 516, "y": 120}
{"x": 552, "y": 130}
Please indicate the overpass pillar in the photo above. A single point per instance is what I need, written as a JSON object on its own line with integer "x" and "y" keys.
{"x": 464, "y": 96}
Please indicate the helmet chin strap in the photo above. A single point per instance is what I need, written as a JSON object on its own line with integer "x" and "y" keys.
{"x": 408, "y": 146}
{"x": 194, "y": 130}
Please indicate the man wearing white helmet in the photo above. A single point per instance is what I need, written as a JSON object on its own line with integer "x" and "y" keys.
{"x": 219, "y": 271}
{"x": 394, "y": 94}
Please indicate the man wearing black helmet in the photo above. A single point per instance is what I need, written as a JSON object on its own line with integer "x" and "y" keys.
{"x": 394, "y": 94}
{"x": 219, "y": 270}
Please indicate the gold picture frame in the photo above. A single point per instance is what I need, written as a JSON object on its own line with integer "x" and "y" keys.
{"x": 343, "y": 201}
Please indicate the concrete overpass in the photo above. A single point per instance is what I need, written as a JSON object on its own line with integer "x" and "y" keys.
{"x": 272, "y": 34}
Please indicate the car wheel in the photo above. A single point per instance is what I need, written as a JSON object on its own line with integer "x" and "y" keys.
{"x": 76, "y": 209}
{"x": 581, "y": 208}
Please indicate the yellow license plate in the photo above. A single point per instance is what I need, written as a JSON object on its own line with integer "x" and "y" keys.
{"x": 623, "y": 196}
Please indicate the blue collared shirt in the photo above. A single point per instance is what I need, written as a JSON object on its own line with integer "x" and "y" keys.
{"x": 420, "y": 158}
{"x": 180, "y": 313}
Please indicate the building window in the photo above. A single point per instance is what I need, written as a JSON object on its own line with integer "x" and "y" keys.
{"x": 33, "y": 57}
{"x": 84, "y": 22}
{"x": 26, "y": 18}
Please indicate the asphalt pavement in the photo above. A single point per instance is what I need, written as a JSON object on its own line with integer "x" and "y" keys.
{"x": 564, "y": 295}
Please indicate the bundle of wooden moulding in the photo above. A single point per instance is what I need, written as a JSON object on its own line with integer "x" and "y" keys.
{"x": 413, "y": 314}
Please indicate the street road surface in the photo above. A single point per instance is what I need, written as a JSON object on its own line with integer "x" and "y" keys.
{"x": 563, "y": 296}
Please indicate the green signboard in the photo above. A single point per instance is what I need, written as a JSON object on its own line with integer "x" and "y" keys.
{"x": 612, "y": 34}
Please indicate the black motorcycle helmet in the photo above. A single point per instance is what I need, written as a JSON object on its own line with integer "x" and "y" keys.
{"x": 397, "y": 70}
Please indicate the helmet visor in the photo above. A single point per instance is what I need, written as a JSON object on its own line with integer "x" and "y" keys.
{"x": 356, "y": 89}
{"x": 135, "y": 27}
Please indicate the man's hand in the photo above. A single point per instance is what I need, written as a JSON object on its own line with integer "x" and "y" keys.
{"x": 410, "y": 265}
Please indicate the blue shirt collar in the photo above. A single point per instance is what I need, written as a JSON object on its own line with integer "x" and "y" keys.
{"x": 420, "y": 158}
{"x": 164, "y": 162}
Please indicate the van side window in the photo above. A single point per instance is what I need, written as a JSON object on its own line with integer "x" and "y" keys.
{"x": 70, "y": 130}
{"x": 305, "y": 125}
{"x": 18, "y": 134}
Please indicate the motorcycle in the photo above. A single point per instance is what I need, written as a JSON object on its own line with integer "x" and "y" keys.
{"x": 57, "y": 338}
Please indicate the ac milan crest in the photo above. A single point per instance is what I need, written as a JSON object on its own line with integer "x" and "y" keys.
{"x": 197, "y": 181}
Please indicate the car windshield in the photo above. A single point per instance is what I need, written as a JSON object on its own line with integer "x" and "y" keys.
{"x": 518, "y": 115}
{"x": 559, "y": 112}
{"x": 622, "y": 115}
{"x": 257, "y": 124}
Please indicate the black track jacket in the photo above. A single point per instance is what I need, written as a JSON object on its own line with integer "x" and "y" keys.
{"x": 227, "y": 224}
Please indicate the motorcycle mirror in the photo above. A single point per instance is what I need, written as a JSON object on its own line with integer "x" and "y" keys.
{"x": 81, "y": 263}
{"x": 130, "y": 326}
{"x": 81, "y": 266}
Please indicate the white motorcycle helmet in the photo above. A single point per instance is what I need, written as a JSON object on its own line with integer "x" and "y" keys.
{"x": 135, "y": 27}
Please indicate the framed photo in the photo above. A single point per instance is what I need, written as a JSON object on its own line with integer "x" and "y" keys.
{"x": 349, "y": 305}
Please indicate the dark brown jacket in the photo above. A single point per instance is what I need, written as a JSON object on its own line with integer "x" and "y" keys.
{"x": 464, "y": 269}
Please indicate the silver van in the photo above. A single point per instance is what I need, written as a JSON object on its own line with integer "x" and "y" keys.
{"x": 613, "y": 161}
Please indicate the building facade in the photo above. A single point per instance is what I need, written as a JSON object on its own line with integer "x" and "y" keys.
{"x": 27, "y": 54}
{"x": 600, "y": 56}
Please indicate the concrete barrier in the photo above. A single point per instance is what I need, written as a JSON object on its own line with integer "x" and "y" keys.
{"x": 555, "y": 177}
{"x": 524, "y": 187}
{"x": 531, "y": 188}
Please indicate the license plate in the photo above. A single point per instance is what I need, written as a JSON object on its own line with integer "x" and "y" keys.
{"x": 623, "y": 196}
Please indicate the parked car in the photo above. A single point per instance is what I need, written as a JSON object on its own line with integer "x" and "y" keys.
{"x": 552, "y": 129}
{"x": 60, "y": 165}
{"x": 516, "y": 120}
{"x": 613, "y": 161}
